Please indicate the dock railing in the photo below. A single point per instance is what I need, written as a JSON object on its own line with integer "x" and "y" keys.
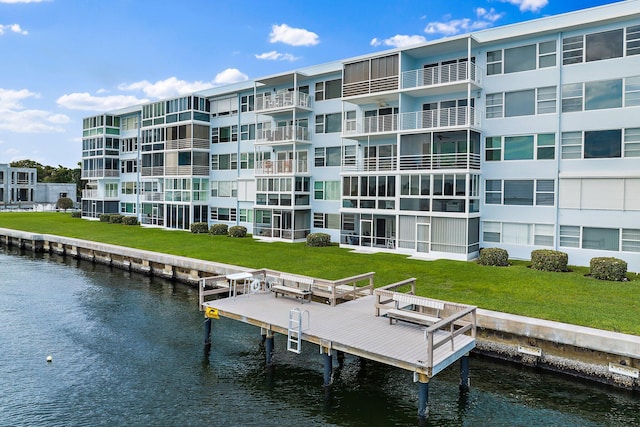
{"x": 457, "y": 319}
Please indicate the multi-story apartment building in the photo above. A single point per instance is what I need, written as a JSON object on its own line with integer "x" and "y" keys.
{"x": 523, "y": 137}
{"x": 17, "y": 185}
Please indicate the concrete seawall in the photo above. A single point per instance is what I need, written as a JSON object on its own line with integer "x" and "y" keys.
{"x": 594, "y": 354}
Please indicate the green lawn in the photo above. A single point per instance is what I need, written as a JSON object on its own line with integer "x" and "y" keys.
{"x": 566, "y": 297}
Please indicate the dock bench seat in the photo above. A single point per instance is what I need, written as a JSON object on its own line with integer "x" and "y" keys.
{"x": 292, "y": 285}
{"x": 405, "y": 309}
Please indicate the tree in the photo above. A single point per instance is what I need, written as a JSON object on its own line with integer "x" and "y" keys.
{"x": 64, "y": 203}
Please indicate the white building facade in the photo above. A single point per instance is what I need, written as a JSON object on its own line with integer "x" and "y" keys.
{"x": 522, "y": 137}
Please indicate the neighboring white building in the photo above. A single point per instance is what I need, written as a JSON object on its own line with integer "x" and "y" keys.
{"x": 19, "y": 187}
{"x": 522, "y": 137}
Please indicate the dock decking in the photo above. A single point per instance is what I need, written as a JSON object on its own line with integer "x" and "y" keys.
{"x": 354, "y": 328}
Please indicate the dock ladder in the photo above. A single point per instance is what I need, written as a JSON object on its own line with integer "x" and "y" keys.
{"x": 296, "y": 326}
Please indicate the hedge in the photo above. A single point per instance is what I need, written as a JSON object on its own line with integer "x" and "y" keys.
{"x": 238, "y": 231}
{"x": 549, "y": 260}
{"x": 494, "y": 256}
{"x": 219, "y": 229}
{"x": 199, "y": 227}
{"x": 130, "y": 220}
{"x": 318, "y": 239}
{"x": 115, "y": 219}
{"x": 608, "y": 268}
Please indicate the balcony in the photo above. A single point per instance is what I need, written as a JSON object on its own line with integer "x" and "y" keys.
{"x": 415, "y": 162}
{"x": 442, "y": 75}
{"x": 183, "y": 170}
{"x": 281, "y": 167}
{"x": 277, "y": 102}
{"x": 99, "y": 195}
{"x": 100, "y": 173}
{"x": 283, "y": 135}
{"x": 442, "y": 118}
{"x": 152, "y": 196}
{"x": 185, "y": 144}
{"x": 371, "y": 125}
{"x": 367, "y": 87}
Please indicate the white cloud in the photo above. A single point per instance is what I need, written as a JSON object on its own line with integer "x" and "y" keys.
{"x": 228, "y": 76}
{"x": 31, "y": 121}
{"x": 277, "y": 56}
{"x": 86, "y": 101}
{"x": 484, "y": 19}
{"x": 399, "y": 40}
{"x": 14, "y": 28}
{"x": 292, "y": 36}
{"x": 11, "y": 99}
{"x": 524, "y": 5}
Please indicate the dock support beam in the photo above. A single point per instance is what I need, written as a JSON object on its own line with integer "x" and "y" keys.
{"x": 328, "y": 366}
{"x": 207, "y": 332}
{"x": 268, "y": 344}
{"x": 464, "y": 373}
{"x": 423, "y": 396}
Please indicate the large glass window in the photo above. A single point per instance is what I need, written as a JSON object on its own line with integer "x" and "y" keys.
{"x": 602, "y": 144}
{"x": 518, "y": 147}
{"x": 604, "y": 94}
{"x": 518, "y": 192}
{"x": 607, "y": 239}
{"x": 520, "y": 103}
{"x": 520, "y": 59}
{"x": 604, "y": 45}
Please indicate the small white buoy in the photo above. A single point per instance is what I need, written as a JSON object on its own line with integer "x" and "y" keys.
{"x": 49, "y": 358}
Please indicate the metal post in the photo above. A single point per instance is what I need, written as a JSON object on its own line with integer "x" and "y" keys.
{"x": 268, "y": 343}
{"x": 464, "y": 373}
{"x": 328, "y": 366}
{"x": 207, "y": 332}
{"x": 423, "y": 396}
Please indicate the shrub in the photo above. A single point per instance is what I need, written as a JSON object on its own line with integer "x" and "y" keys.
{"x": 238, "y": 231}
{"x": 105, "y": 217}
{"x": 219, "y": 229}
{"x": 199, "y": 227}
{"x": 115, "y": 219}
{"x": 494, "y": 256}
{"x": 64, "y": 203}
{"x": 549, "y": 260}
{"x": 130, "y": 220}
{"x": 318, "y": 239}
{"x": 76, "y": 214}
{"x": 608, "y": 268}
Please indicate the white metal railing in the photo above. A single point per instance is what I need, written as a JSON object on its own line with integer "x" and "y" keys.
{"x": 276, "y": 101}
{"x": 370, "y": 86}
{"x": 283, "y": 134}
{"x": 375, "y": 124}
{"x": 100, "y": 173}
{"x": 442, "y": 74}
{"x": 440, "y": 118}
{"x": 276, "y": 167}
{"x": 152, "y": 196}
{"x": 97, "y": 194}
{"x": 181, "y": 144}
{"x": 153, "y": 171}
{"x": 415, "y": 162}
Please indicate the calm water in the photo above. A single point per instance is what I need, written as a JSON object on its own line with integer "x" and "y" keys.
{"x": 127, "y": 350}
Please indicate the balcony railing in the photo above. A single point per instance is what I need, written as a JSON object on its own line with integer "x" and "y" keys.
{"x": 97, "y": 194}
{"x": 283, "y": 134}
{"x": 440, "y": 118}
{"x": 415, "y": 162}
{"x": 152, "y": 196}
{"x": 442, "y": 74}
{"x": 100, "y": 173}
{"x": 186, "y": 170}
{"x": 370, "y": 86}
{"x": 281, "y": 167}
{"x": 282, "y": 100}
{"x": 375, "y": 124}
{"x": 182, "y": 144}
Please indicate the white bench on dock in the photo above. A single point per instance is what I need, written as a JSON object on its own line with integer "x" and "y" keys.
{"x": 293, "y": 285}
{"x": 406, "y": 306}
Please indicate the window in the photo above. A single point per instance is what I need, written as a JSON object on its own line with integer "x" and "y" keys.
{"x": 546, "y": 98}
{"x": 246, "y": 103}
{"x": 327, "y": 156}
{"x": 546, "y": 146}
{"x": 247, "y": 160}
{"x": 522, "y": 58}
{"x": 491, "y": 231}
{"x": 630, "y": 240}
{"x": 224, "y": 161}
{"x": 328, "y": 90}
{"x": 326, "y": 190}
{"x": 633, "y": 40}
{"x": 632, "y": 90}
{"x": 518, "y": 192}
{"x": 247, "y": 132}
{"x": 494, "y": 105}
{"x": 543, "y": 235}
{"x": 519, "y": 103}
{"x": 602, "y": 144}
{"x": 224, "y": 107}
{"x": 572, "y": 97}
{"x": 603, "y": 94}
{"x": 223, "y": 214}
{"x": 593, "y": 47}
{"x": 545, "y": 192}
{"x": 493, "y": 145}
{"x": 518, "y": 147}
{"x": 224, "y": 189}
{"x": 632, "y": 142}
{"x": 493, "y": 192}
{"x": 224, "y": 134}
{"x": 607, "y": 239}
{"x": 328, "y": 123}
{"x": 571, "y": 145}
{"x": 570, "y": 236}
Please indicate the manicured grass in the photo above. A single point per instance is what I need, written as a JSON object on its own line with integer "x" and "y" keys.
{"x": 566, "y": 297}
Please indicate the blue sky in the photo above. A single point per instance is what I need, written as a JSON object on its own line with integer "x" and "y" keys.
{"x": 63, "y": 60}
